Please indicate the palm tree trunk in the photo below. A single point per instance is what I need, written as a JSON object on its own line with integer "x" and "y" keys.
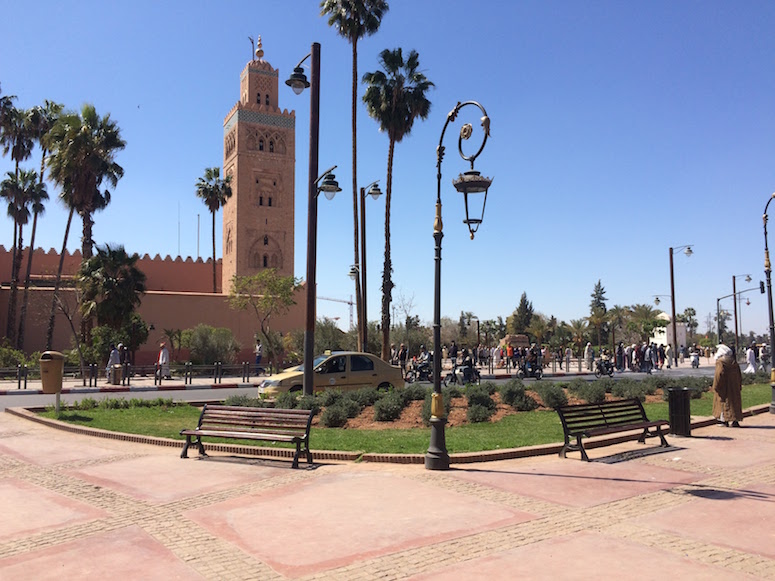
{"x": 23, "y": 314}
{"x": 17, "y": 265}
{"x": 214, "y": 282}
{"x": 87, "y": 247}
{"x": 387, "y": 282}
{"x": 51, "y": 318}
{"x": 358, "y": 302}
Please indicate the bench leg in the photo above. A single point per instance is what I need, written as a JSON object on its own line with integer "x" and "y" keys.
{"x": 184, "y": 453}
{"x": 581, "y": 449}
{"x": 296, "y": 456}
{"x": 201, "y": 446}
{"x": 664, "y": 443}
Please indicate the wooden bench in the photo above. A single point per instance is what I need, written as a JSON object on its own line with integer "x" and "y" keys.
{"x": 247, "y": 423}
{"x": 598, "y": 419}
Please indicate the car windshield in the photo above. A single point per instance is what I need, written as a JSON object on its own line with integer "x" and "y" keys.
{"x": 317, "y": 361}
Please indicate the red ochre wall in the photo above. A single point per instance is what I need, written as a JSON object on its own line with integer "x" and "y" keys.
{"x": 178, "y": 297}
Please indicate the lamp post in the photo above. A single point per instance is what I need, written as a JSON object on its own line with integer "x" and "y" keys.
{"x": 688, "y": 252}
{"x": 767, "y": 271}
{"x": 374, "y": 192}
{"x": 734, "y": 292}
{"x": 471, "y": 182}
{"x": 298, "y": 82}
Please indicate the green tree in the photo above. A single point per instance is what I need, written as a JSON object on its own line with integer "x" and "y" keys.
{"x": 522, "y": 316}
{"x": 83, "y": 152}
{"x": 617, "y": 317}
{"x": 266, "y": 293}
{"x": 111, "y": 285}
{"x": 209, "y": 345}
{"x": 42, "y": 119}
{"x": 643, "y": 320}
{"x": 598, "y": 297}
{"x": 18, "y": 190}
{"x": 578, "y": 332}
{"x": 689, "y": 316}
{"x": 328, "y": 336}
{"x": 353, "y": 20}
{"x": 538, "y": 328}
{"x": 395, "y": 97}
{"x": 214, "y": 192}
{"x": 597, "y": 320}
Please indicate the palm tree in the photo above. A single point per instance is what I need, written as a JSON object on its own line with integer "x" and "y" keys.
{"x": 597, "y": 318}
{"x": 538, "y": 327}
{"x": 354, "y": 19}
{"x": 42, "y": 119}
{"x": 642, "y": 318}
{"x": 617, "y": 315}
{"x": 215, "y": 192}
{"x": 83, "y": 150}
{"x": 394, "y": 98}
{"x": 112, "y": 286}
{"x": 18, "y": 190}
{"x": 578, "y": 330}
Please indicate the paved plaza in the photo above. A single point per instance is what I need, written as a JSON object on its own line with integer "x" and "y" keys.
{"x": 77, "y": 506}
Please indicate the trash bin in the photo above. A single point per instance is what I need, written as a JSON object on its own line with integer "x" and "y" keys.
{"x": 52, "y": 367}
{"x": 115, "y": 374}
{"x": 679, "y": 411}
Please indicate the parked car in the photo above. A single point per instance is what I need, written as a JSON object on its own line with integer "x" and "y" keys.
{"x": 343, "y": 370}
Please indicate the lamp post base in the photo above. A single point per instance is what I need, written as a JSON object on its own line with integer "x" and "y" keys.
{"x": 437, "y": 457}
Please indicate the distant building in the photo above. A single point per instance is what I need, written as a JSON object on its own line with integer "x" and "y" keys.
{"x": 664, "y": 335}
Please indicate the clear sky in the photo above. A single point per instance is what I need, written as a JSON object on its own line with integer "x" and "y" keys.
{"x": 619, "y": 129}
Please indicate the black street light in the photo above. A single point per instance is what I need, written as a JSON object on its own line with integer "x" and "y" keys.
{"x": 468, "y": 183}
{"x": 688, "y": 252}
{"x": 734, "y": 292}
{"x": 298, "y": 82}
{"x": 374, "y": 192}
{"x": 767, "y": 271}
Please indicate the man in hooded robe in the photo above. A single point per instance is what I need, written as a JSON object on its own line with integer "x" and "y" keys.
{"x": 727, "y": 388}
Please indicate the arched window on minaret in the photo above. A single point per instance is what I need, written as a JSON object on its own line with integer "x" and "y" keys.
{"x": 266, "y": 261}
{"x": 266, "y": 240}
{"x": 270, "y": 201}
{"x": 260, "y": 145}
{"x": 266, "y": 102}
{"x": 271, "y": 146}
{"x": 260, "y": 200}
{"x": 258, "y": 98}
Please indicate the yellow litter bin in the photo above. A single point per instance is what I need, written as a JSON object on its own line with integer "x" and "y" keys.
{"x": 52, "y": 367}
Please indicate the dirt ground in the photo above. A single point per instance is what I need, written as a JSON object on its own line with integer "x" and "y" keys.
{"x": 411, "y": 416}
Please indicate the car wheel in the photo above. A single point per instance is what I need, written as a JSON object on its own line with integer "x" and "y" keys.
{"x": 295, "y": 389}
{"x": 385, "y": 385}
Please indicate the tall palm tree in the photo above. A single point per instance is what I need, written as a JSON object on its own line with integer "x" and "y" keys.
{"x": 37, "y": 197}
{"x": 214, "y": 192}
{"x": 354, "y": 19}
{"x": 112, "y": 286}
{"x": 538, "y": 327}
{"x": 578, "y": 330}
{"x": 83, "y": 150}
{"x": 643, "y": 317}
{"x": 42, "y": 119}
{"x": 18, "y": 190}
{"x": 617, "y": 316}
{"x": 596, "y": 319}
{"x": 395, "y": 97}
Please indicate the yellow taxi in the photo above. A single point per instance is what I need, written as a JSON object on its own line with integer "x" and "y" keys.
{"x": 344, "y": 370}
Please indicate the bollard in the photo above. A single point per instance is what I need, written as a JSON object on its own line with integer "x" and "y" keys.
{"x": 21, "y": 372}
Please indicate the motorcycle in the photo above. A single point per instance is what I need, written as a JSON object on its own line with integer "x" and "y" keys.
{"x": 695, "y": 358}
{"x": 604, "y": 367}
{"x": 422, "y": 371}
{"x": 526, "y": 369}
{"x": 464, "y": 374}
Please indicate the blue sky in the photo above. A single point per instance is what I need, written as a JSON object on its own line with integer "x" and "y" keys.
{"x": 619, "y": 129}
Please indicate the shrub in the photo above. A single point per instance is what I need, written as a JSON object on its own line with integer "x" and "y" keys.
{"x": 208, "y": 344}
{"x": 309, "y": 402}
{"x": 593, "y": 392}
{"x": 607, "y": 383}
{"x": 114, "y": 404}
{"x": 414, "y": 392}
{"x": 478, "y": 413}
{"x": 365, "y": 396}
{"x": 245, "y": 401}
{"x": 552, "y": 395}
{"x": 87, "y": 403}
{"x": 628, "y": 390}
{"x": 334, "y": 416}
{"x": 447, "y": 395}
{"x": 285, "y": 400}
{"x": 388, "y": 408}
{"x": 513, "y": 393}
{"x": 330, "y": 397}
{"x": 479, "y": 396}
{"x": 488, "y": 386}
{"x": 576, "y": 386}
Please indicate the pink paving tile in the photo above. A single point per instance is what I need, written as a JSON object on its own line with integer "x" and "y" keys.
{"x": 739, "y": 518}
{"x": 127, "y": 553}
{"x": 584, "y": 556}
{"x": 28, "y": 509}
{"x": 47, "y": 451}
{"x": 338, "y": 519}
{"x": 576, "y": 483}
{"x": 161, "y": 479}
{"x": 715, "y": 447}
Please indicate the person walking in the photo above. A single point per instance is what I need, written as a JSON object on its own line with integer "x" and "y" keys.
{"x": 727, "y": 388}
{"x": 113, "y": 359}
{"x": 402, "y": 354}
{"x": 668, "y": 355}
{"x": 259, "y": 353}
{"x": 164, "y": 361}
{"x": 589, "y": 354}
{"x": 750, "y": 357}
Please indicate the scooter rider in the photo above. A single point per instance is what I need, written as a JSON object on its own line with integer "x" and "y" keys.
{"x": 532, "y": 358}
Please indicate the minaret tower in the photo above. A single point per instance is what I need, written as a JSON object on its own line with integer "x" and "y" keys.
{"x": 258, "y": 154}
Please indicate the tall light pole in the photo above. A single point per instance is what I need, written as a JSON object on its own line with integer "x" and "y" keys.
{"x": 374, "y": 192}
{"x": 734, "y": 292}
{"x": 471, "y": 182}
{"x": 298, "y": 82}
{"x": 767, "y": 271}
{"x": 688, "y": 252}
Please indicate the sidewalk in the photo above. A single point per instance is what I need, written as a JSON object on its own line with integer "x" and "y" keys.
{"x": 80, "y": 507}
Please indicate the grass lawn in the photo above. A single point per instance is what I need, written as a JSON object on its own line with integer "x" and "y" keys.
{"x": 514, "y": 431}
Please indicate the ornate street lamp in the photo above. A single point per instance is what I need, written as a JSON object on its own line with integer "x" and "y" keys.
{"x": 374, "y": 192}
{"x": 734, "y": 292}
{"x": 767, "y": 271}
{"x": 688, "y": 252}
{"x": 298, "y": 82}
{"x": 471, "y": 184}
